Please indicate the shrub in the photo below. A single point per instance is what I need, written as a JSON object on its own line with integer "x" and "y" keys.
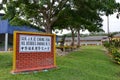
{"x": 113, "y": 48}
{"x": 115, "y": 43}
{"x": 106, "y": 44}
{"x": 116, "y": 55}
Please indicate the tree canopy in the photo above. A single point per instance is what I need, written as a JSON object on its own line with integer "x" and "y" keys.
{"x": 53, "y": 14}
{"x": 38, "y": 12}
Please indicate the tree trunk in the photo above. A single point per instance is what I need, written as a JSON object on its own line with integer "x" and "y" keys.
{"x": 48, "y": 29}
{"x": 72, "y": 43}
{"x": 62, "y": 40}
{"x": 78, "y": 38}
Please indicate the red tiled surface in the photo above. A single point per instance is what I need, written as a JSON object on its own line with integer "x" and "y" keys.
{"x": 34, "y": 60}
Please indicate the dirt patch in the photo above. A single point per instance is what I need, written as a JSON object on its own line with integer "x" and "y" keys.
{"x": 63, "y": 53}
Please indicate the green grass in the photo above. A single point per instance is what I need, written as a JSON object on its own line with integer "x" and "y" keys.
{"x": 90, "y": 63}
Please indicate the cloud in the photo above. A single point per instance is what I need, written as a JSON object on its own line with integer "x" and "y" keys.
{"x": 114, "y": 23}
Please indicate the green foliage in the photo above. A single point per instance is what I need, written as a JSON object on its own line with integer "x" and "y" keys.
{"x": 2, "y": 44}
{"x": 36, "y": 12}
{"x": 118, "y": 7}
{"x": 60, "y": 14}
{"x": 19, "y": 22}
{"x": 115, "y": 43}
{"x": 113, "y": 48}
{"x": 106, "y": 44}
{"x": 116, "y": 55}
{"x": 109, "y": 7}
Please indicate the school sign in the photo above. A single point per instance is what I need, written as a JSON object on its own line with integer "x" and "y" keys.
{"x": 30, "y": 43}
{"x": 33, "y": 51}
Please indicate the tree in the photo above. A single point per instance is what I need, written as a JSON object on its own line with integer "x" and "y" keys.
{"x": 109, "y": 7}
{"x": 118, "y": 9}
{"x": 37, "y": 12}
{"x": 95, "y": 8}
{"x": 66, "y": 21}
{"x": 78, "y": 19}
{"x": 83, "y": 14}
{"x": 89, "y": 18}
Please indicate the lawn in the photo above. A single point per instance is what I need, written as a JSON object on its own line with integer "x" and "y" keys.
{"x": 89, "y": 63}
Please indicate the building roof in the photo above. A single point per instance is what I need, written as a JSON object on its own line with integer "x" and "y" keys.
{"x": 117, "y": 35}
{"x": 88, "y": 38}
{"x": 1, "y": 14}
{"x": 5, "y": 27}
{"x": 94, "y": 38}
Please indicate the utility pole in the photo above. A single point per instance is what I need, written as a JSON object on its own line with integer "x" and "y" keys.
{"x": 108, "y": 30}
{"x": 6, "y": 41}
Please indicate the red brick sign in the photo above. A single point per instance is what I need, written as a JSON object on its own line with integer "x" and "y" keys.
{"x": 33, "y": 51}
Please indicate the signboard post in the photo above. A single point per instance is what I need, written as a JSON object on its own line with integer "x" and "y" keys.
{"x": 33, "y": 51}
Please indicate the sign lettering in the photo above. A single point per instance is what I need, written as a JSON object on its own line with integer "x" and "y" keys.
{"x": 33, "y": 43}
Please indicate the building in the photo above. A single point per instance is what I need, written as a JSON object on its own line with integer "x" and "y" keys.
{"x": 117, "y": 35}
{"x": 90, "y": 40}
{"x": 6, "y": 32}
